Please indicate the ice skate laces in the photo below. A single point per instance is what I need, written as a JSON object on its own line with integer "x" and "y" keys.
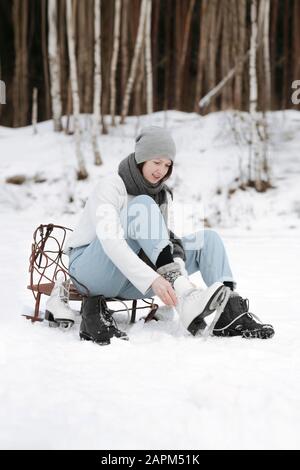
{"x": 108, "y": 318}
{"x": 64, "y": 292}
{"x": 239, "y": 309}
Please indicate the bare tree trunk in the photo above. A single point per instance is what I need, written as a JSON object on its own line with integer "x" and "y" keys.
{"x": 233, "y": 49}
{"x": 20, "y": 85}
{"x": 107, "y": 16}
{"x": 124, "y": 46}
{"x": 89, "y": 59}
{"x": 273, "y": 36}
{"x": 149, "y": 79}
{"x": 178, "y": 44}
{"x": 225, "y": 57}
{"x": 212, "y": 47}
{"x": 286, "y": 51}
{"x": 296, "y": 40}
{"x": 253, "y": 91}
{"x": 45, "y": 57}
{"x": 202, "y": 48}
{"x": 256, "y": 162}
{"x": 68, "y": 130}
{"x": 34, "y": 110}
{"x": 63, "y": 56}
{"x": 82, "y": 172}
{"x": 242, "y": 34}
{"x": 266, "y": 49}
{"x": 114, "y": 61}
{"x": 182, "y": 57}
{"x": 24, "y": 56}
{"x": 80, "y": 32}
{"x": 212, "y": 94}
{"x": 54, "y": 65}
{"x": 134, "y": 63}
{"x": 155, "y": 33}
{"x": 97, "y": 83}
{"x": 167, "y": 52}
{"x": 140, "y": 75}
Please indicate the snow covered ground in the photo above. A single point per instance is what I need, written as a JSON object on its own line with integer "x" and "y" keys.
{"x": 163, "y": 389}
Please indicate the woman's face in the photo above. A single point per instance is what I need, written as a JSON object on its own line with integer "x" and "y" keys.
{"x": 155, "y": 170}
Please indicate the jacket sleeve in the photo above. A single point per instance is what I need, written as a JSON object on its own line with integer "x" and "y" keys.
{"x": 110, "y": 232}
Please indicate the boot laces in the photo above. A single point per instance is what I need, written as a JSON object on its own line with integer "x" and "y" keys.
{"x": 244, "y": 304}
{"x": 109, "y": 319}
{"x": 104, "y": 317}
{"x": 241, "y": 308}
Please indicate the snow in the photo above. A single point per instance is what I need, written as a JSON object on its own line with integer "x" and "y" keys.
{"x": 163, "y": 389}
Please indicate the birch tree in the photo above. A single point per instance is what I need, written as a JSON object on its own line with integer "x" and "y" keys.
{"x": 256, "y": 155}
{"x": 96, "y": 119}
{"x": 217, "y": 90}
{"x": 134, "y": 63}
{"x": 254, "y": 151}
{"x": 54, "y": 65}
{"x": 148, "y": 59}
{"x": 114, "y": 61}
{"x": 267, "y": 95}
{"x": 82, "y": 172}
{"x": 34, "y": 110}
{"x": 140, "y": 76}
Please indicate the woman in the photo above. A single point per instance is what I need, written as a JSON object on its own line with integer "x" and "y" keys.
{"x": 122, "y": 247}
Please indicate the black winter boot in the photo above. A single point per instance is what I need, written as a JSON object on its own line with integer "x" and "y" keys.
{"x": 237, "y": 320}
{"x": 97, "y": 323}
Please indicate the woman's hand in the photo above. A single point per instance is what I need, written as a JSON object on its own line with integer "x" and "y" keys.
{"x": 164, "y": 290}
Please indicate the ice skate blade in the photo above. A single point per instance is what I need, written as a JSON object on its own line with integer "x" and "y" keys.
{"x": 62, "y": 323}
{"x": 198, "y": 325}
{"x": 124, "y": 338}
{"x": 86, "y": 337}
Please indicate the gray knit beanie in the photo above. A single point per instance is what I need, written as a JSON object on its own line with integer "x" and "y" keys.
{"x": 152, "y": 142}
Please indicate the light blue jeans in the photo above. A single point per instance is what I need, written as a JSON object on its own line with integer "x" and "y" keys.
{"x": 205, "y": 252}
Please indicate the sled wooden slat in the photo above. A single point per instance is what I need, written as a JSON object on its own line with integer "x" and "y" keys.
{"x": 46, "y": 289}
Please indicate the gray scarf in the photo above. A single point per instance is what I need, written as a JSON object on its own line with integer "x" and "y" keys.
{"x": 136, "y": 184}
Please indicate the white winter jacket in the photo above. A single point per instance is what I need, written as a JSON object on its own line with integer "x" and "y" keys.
{"x": 101, "y": 218}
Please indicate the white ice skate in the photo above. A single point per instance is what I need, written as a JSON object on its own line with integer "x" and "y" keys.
{"x": 194, "y": 304}
{"x": 58, "y": 311}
